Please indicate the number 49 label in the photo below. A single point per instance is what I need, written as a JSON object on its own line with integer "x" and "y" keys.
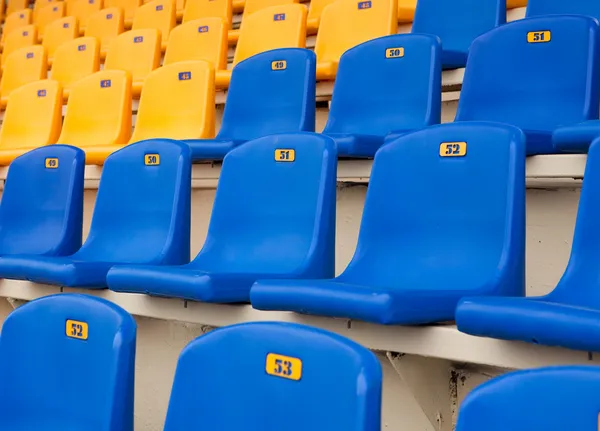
{"x": 284, "y": 366}
{"x": 77, "y": 329}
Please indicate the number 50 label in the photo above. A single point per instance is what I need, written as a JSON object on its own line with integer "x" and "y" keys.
{"x": 284, "y": 366}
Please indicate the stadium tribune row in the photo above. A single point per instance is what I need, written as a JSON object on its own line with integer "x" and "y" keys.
{"x": 79, "y": 373}
{"x": 539, "y": 74}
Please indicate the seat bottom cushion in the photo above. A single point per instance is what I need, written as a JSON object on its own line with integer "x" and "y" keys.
{"x": 210, "y": 149}
{"x": 576, "y": 138}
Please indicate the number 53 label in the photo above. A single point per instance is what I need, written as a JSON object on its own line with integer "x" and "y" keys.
{"x": 284, "y": 366}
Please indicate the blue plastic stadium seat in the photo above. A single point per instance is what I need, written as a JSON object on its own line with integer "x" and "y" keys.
{"x": 273, "y": 217}
{"x": 425, "y": 244}
{"x": 538, "y": 74}
{"x": 42, "y": 203}
{"x": 272, "y": 92}
{"x": 408, "y": 74}
{"x": 67, "y": 363}
{"x": 563, "y": 7}
{"x": 457, "y": 23}
{"x": 142, "y": 215}
{"x": 295, "y": 378}
{"x": 549, "y": 399}
{"x": 569, "y": 316}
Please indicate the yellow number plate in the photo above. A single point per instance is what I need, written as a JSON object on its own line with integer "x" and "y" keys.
{"x": 285, "y": 155}
{"x": 539, "y": 36}
{"x": 51, "y": 163}
{"x": 279, "y": 65}
{"x": 284, "y": 366}
{"x": 77, "y": 329}
{"x": 152, "y": 159}
{"x": 453, "y": 149}
{"x": 394, "y": 52}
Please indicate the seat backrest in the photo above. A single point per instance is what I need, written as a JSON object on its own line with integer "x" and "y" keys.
{"x": 513, "y": 75}
{"x": 47, "y": 15}
{"x": 252, "y": 6}
{"x": 16, "y": 6}
{"x": 136, "y": 51}
{"x": 507, "y": 399}
{"x": 347, "y": 23}
{"x": 250, "y": 231}
{"x": 271, "y": 28}
{"x": 468, "y": 232}
{"x": 561, "y": 7}
{"x": 83, "y": 10}
{"x": 33, "y": 116}
{"x": 142, "y": 212}
{"x": 178, "y": 102}
{"x": 58, "y": 32}
{"x": 75, "y": 60}
{"x": 196, "y": 9}
{"x": 24, "y": 36}
{"x": 16, "y": 20}
{"x": 38, "y": 5}
{"x": 408, "y": 66}
{"x": 23, "y": 66}
{"x": 42, "y": 202}
{"x": 202, "y": 39}
{"x": 458, "y": 22}
{"x": 128, "y": 6}
{"x": 289, "y": 383}
{"x": 105, "y": 25}
{"x": 79, "y": 367}
{"x": 272, "y": 92}
{"x": 158, "y": 14}
{"x": 99, "y": 111}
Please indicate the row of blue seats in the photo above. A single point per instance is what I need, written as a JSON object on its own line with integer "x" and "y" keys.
{"x": 539, "y": 74}
{"x": 458, "y": 22}
{"x": 67, "y": 363}
{"x": 423, "y": 246}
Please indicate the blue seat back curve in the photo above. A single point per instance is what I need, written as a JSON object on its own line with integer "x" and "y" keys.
{"x": 409, "y": 70}
{"x": 142, "y": 212}
{"x": 266, "y": 98}
{"x": 59, "y": 374}
{"x": 508, "y": 400}
{"x": 516, "y": 76}
{"x": 460, "y": 226}
{"x": 561, "y": 7}
{"x": 275, "y": 216}
{"x": 458, "y": 22}
{"x": 42, "y": 202}
{"x": 328, "y": 383}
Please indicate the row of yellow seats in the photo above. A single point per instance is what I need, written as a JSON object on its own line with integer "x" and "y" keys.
{"x": 178, "y": 101}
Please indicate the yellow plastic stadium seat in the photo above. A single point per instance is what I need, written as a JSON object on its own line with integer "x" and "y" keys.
{"x": 314, "y": 14}
{"x": 178, "y": 102}
{"x": 47, "y": 15}
{"x": 105, "y": 25}
{"x": 58, "y": 32}
{"x": 136, "y": 51}
{"x": 511, "y": 4}
{"x": 271, "y": 28}
{"x": 16, "y": 6}
{"x": 196, "y": 9}
{"x": 180, "y": 7}
{"x": 98, "y": 117}
{"x": 406, "y": 10}
{"x": 158, "y": 14}
{"x": 202, "y": 39}
{"x": 16, "y": 20}
{"x": 129, "y": 7}
{"x": 347, "y": 23}
{"x": 83, "y": 10}
{"x": 23, "y": 66}
{"x": 24, "y": 36}
{"x": 38, "y": 5}
{"x": 254, "y": 6}
{"x": 75, "y": 60}
{"x": 32, "y": 119}
{"x": 238, "y": 5}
